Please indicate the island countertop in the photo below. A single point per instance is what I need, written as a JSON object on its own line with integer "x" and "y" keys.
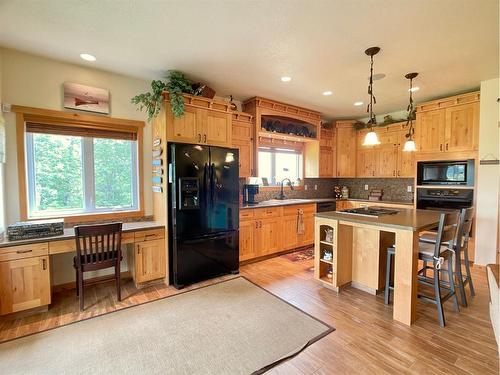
{"x": 295, "y": 201}
{"x": 406, "y": 219}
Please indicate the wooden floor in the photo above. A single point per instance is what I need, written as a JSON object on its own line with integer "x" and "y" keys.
{"x": 366, "y": 339}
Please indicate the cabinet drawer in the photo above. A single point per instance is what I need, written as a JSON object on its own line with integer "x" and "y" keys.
{"x": 149, "y": 235}
{"x": 261, "y": 213}
{"x": 292, "y": 210}
{"x": 246, "y": 214}
{"x": 24, "y": 251}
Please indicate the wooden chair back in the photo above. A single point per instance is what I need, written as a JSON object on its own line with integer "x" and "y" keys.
{"x": 447, "y": 230}
{"x": 464, "y": 229}
{"x": 98, "y": 246}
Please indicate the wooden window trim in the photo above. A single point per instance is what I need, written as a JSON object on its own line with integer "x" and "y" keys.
{"x": 59, "y": 118}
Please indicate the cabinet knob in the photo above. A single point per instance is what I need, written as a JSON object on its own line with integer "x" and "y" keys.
{"x": 199, "y": 137}
{"x": 204, "y": 138}
{"x": 441, "y": 147}
{"x": 447, "y": 147}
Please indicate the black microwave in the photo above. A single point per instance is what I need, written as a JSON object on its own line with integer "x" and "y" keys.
{"x": 446, "y": 172}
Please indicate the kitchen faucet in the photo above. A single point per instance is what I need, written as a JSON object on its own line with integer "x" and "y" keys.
{"x": 282, "y": 194}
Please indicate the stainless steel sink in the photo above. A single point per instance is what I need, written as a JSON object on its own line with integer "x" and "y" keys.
{"x": 284, "y": 201}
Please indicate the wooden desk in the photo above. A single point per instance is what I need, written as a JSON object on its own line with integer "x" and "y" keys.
{"x": 359, "y": 248}
{"x": 25, "y": 267}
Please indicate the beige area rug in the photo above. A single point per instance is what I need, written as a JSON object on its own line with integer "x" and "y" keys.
{"x": 232, "y": 327}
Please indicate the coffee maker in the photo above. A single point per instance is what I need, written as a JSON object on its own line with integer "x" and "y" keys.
{"x": 249, "y": 192}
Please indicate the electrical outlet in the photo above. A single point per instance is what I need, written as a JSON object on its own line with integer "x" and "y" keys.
{"x": 305, "y": 187}
{"x": 315, "y": 187}
{"x": 409, "y": 188}
{"x": 366, "y": 187}
{"x": 6, "y": 107}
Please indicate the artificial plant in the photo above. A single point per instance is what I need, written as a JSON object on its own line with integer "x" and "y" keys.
{"x": 176, "y": 84}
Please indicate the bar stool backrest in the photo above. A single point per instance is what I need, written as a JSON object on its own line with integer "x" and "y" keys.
{"x": 464, "y": 229}
{"x": 447, "y": 230}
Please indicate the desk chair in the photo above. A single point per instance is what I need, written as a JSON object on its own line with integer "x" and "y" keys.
{"x": 97, "y": 247}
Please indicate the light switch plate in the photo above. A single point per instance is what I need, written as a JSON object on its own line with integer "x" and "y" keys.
{"x": 366, "y": 187}
{"x": 409, "y": 188}
{"x": 315, "y": 187}
{"x": 305, "y": 187}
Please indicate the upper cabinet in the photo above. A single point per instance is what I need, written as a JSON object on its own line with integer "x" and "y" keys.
{"x": 448, "y": 125}
{"x": 243, "y": 140}
{"x": 346, "y": 149}
{"x": 204, "y": 121}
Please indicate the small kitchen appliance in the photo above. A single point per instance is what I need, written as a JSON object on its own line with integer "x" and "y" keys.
{"x": 249, "y": 192}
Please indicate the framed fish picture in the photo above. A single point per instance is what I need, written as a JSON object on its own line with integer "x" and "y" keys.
{"x": 86, "y": 98}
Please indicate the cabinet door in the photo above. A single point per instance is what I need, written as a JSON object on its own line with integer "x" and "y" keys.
{"x": 346, "y": 152}
{"x": 150, "y": 260}
{"x": 247, "y": 237}
{"x": 268, "y": 236}
{"x": 325, "y": 162}
{"x": 242, "y": 131}
{"x": 462, "y": 124}
{"x": 387, "y": 160}
{"x": 289, "y": 228}
{"x": 216, "y": 128}
{"x": 24, "y": 284}
{"x": 184, "y": 129}
{"x": 245, "y": 158}
{"x": 406, "y": 159}
{"x": 307, "y": 237}
{"x": 430, "y": 131}
{"x": 365, "y": 161}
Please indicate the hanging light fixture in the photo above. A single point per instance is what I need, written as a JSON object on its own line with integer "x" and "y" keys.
{"x": 410, "y": 143}
{"x": 371, "y": 138}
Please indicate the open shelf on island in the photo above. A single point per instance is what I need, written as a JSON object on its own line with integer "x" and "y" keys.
{"x": 326, "y": 261}
{"x": 326, "y": 243}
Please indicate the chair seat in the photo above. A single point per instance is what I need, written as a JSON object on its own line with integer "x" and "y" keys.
{"x": 429, "y": 237}
{"x": 426, "y": 251}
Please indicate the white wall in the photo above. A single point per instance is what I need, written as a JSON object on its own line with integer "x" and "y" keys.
{"x": 488, "y": 175}
{"x": 2, "y": 180}
{"x": 36, "y": 81}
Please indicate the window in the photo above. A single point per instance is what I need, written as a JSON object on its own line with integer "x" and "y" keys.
{"x": 275, "y": 164}
{"x": 75, "y": 174}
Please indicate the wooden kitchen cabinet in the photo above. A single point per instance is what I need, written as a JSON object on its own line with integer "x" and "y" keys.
{"x": 326, "y": 160}
{"x": 406, "y": 159}
{"x": 242, "y": 139}
{"x": 150, "y": 261}
{"x": 462, "y": 128}
{"x": 183, "y": 129}
{"x": 448, "y": 124}
{"x": 346, "y": 149}
{"x": 204, "y": 121}
{"x": 266, "y": 231}
{"x": 247, "y": 239}
{"x": 24, "y": 284}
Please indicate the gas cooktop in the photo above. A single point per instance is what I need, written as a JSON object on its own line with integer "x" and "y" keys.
{"x": 370, "y": 211}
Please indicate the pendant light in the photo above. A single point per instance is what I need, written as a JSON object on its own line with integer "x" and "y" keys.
{"x": 410, "y": 143}
{"x": 371, "y": 138}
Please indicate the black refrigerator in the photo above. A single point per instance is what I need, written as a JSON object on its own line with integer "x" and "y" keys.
{"x": 203, "y": 212}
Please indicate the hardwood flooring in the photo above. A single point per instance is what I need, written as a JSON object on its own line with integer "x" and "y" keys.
{"x": 366, "y": 339}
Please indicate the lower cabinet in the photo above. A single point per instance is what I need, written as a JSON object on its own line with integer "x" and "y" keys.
{"x": 270, "y": 231}
{"x": 24, "y": 284}
{"x": 150, "y": 261}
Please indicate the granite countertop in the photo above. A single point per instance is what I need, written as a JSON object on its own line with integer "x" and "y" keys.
{"x": 292, "y": 201}
{"x": 69, "y": 233}
{"x": 405, "y": 218}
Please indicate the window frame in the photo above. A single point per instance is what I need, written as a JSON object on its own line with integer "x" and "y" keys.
{"x": 26, "y": 115}
{"x": 88, "y": 181}
{"x": 283, "y": 149}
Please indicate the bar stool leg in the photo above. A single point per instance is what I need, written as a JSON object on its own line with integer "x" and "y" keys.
{"x": 437, "y": 295}
{"x": 388, "y": 267}
{"x": 452, "y": 284}
{"x": 460, "y": 279}
{"x": 467, "y": 271}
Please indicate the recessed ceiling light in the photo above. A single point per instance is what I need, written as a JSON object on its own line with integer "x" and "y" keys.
{"x": 286, "y": 79}
{"x": 413, "y": 89}
{"x": 327, "y": 93}
{"x": 357, "y": 104}
{"x": 87, "y": 57}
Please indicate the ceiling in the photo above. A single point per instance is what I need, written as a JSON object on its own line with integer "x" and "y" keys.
{"x": 242, "y": 47}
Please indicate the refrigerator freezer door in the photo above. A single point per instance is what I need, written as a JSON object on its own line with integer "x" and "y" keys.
{"x": 203, "y": 258}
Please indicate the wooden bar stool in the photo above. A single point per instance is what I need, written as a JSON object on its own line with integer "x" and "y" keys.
{"x": 97, "y": 247}
{"x": 437, "y": 253}
{"x": 461, "y": 248}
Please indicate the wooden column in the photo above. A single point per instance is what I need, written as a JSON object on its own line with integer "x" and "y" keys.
{"x": 405, "y": 276}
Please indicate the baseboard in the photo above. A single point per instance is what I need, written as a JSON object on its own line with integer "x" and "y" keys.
{"x": 273, "y": 255}
{"x": 95, "y": 280}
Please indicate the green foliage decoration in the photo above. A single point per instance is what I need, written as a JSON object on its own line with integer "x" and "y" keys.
{"x": 176, "y": 84}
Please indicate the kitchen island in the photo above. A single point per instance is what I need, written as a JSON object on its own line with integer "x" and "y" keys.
{"x": 352, "y": 249}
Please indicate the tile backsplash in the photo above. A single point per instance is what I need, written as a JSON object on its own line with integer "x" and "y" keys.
{"x": 395, "y": 189}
